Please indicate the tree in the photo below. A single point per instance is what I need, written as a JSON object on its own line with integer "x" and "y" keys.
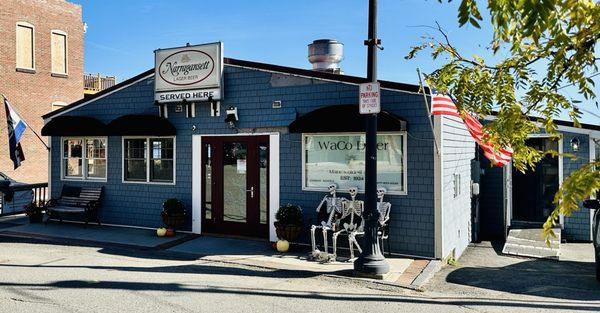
{"x": 549, "y": 45}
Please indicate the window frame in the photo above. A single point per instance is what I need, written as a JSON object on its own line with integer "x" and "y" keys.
{"x": 33, "y": 60}
{"x": 404, "y": 135}
{"x": 148, "y": 159}
{"x": 60, "y": 33}
{"x": 84, "y": 158}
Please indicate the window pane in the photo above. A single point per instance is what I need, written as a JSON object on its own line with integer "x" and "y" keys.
{"x": 162, "y": 148}
{"x": 59, "y": 53}
{"x": 73, "y": 167}
{"x": 161, "y": 170}
{"x": 96, "y": 148}
{"x": 73, "y": 148}
{"x": 96, "y": 168}
{"x": 135, "y": 170}
{"x": 24, "y": 46}
{"x": 135, "y": 148}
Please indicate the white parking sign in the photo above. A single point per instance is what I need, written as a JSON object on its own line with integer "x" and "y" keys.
{"x": 369, "y": 98}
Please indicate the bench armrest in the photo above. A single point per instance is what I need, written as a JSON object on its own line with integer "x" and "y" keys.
{"x": 51, "y": 202}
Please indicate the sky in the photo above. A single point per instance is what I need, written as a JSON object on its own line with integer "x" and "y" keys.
{"x": 122, "y": 35}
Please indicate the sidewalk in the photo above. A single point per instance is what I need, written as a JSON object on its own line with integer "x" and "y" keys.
{"x": 404, "y": 272}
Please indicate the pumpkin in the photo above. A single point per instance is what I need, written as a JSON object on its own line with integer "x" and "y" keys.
{"x": 161, "y": 232}
{"x": 283, "y": 245}
{"x": 170, "y": 232}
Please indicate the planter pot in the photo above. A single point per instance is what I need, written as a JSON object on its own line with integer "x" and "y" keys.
{"x": 36, "y": 218}
{"x": 288, "y": 232}
{"x": 173, "y": 220}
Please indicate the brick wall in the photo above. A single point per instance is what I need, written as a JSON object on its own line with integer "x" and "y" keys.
{"x": 253, "y": 92}
{"x": 32, "y": 94}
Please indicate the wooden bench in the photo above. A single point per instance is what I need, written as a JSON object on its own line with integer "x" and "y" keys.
{"x": 76, "y": 200}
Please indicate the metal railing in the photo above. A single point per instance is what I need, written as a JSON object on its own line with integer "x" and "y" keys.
{"x": 93, "y": 83}
{"x": 14, "y": 198}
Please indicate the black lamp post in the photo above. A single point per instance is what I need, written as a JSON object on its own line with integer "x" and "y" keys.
{"x": 371, "y": 261}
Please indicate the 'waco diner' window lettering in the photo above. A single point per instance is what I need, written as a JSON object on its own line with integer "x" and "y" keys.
{"x": 340, "y": 159}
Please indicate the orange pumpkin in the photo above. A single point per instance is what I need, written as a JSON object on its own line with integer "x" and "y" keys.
{"x": 170, "y": 232}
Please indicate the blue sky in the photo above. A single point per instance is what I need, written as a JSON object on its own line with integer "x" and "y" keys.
{"x": 122, "y": 35}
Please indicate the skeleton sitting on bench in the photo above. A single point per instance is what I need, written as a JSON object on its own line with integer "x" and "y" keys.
{"x": 333, "y": 207}
{"x": 350, "y": 222}
{"x": 383, "y": 208}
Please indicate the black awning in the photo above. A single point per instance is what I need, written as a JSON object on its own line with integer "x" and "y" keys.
{"x": 74, "y": 126}
{"x": 141, "y": 125}
{"x": 343, "y": 118}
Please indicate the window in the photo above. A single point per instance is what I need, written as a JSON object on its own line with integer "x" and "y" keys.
{"x": 58, "y": 105}
{"x": 150, "y": 160}
{"x": 84, "y": 158}
{"x": 59, "y": 52}
{"x": 340, "y": 159}
{"x": 25, "y": 46}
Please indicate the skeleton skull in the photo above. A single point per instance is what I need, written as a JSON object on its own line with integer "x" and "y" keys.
{"x": 331, "y": 188}
{"x": 381, "y": 192}
{"x": 353, "y": 192}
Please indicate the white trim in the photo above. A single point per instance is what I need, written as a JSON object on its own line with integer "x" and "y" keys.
{"x": 197, "y": 184}
{"x": 561, "y": 218}
{"x": 592, "y": 159}
{"x": 60, "y": 33}
{"x": 404, "y": 135}
{"x": 148, "y": 182}
{"x": 48, "y": 119}
{"x": 438, "y": 174}
{"x": 273, "y": 183}
{"x": 197, "y": 172}
{"x": 84, "y": 164}
{"x": 29, "y": 25}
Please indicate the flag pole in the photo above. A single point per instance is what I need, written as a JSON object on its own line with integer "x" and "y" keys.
{"x": 36, "y": 134}
{"x": 428, "y": 111}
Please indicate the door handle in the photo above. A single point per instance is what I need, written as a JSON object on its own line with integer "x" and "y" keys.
{"x": 251, "y": 191}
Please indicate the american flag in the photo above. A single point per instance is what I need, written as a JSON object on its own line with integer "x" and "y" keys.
{"x": 444, "y": 105}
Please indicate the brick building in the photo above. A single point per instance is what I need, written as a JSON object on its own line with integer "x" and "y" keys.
{"x": 41, "y": 69}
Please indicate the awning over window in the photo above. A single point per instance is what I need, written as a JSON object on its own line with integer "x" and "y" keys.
{"x": 343, "y": 118}
{"x": 141, "y": 125}
{"x": 74, "y": 126}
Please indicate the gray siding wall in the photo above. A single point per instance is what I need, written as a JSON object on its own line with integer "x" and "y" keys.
{"x": 577, "y": 226}
{"x": 458, "y": 149}
{"x": 253, "y": 91}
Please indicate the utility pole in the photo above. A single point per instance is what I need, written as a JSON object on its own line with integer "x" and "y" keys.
{"x": 371, "y": 261}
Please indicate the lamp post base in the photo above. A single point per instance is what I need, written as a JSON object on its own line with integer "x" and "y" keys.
{"x": 372, "y": 266}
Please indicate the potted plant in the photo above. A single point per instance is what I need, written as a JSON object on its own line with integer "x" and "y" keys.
{"x": 34, "y": 212}
{"x": 173, "y": 213}
{"x": 288, "y": 224}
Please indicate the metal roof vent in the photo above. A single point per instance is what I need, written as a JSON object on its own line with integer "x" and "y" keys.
{"x": 325, "y": 55}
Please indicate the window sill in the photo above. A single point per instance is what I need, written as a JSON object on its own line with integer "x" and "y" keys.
{"x": 26, "y": 70}
{"x": 59, "y": 75}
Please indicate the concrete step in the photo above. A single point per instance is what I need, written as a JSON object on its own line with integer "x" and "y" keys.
{"x": 529, "y": 243}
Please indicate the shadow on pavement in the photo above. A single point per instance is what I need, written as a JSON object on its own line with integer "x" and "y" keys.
{"x": 327, "y": 296}
{"x": 535, "y": 277}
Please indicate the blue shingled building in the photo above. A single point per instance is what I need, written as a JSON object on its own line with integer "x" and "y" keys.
{"x": 234, "y": 161}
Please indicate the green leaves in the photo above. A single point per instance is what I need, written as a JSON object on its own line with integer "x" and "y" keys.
{"x": 542, "y": 46}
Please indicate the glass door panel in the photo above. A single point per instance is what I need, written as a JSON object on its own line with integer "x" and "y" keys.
{"x": 234, "y": 181}
{"x": 263, "y": 176}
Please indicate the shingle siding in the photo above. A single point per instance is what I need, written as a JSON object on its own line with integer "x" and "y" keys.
{"x": 252, "y": 92}
{"x": 458, "y": 149}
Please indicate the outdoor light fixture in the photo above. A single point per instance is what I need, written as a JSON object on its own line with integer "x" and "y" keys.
{"x": 575, "y": 144}
{"x": 232, "y": 117}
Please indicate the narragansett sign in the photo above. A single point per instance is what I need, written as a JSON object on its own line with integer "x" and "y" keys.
{"x": 192, "y": 73}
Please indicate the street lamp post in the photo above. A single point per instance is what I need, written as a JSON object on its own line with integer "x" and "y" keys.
{"x": 371, "y": 261}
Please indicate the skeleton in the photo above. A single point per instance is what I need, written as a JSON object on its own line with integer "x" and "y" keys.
{"x": 333, "y": 207}
{"x": 352, "y": 222}
{"x": 383, "y": 208}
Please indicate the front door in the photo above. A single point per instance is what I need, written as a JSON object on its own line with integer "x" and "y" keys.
{"x": 235, "y": 185}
